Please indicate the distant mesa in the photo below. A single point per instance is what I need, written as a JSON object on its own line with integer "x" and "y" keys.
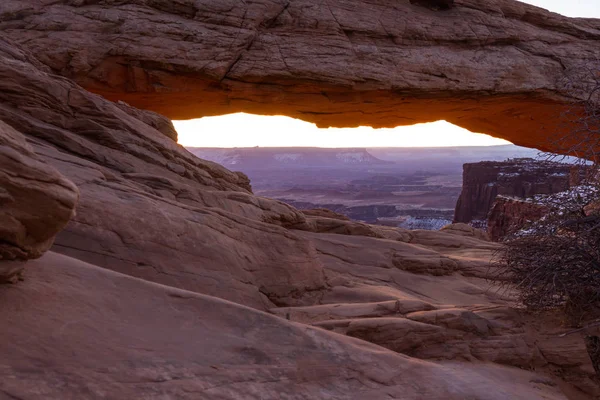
{"x": 522, "y": 178}
{"x": 267, "y": 157}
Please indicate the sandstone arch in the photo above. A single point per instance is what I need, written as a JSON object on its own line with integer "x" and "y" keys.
{"x": 488, "y": 66}
{"x": 435, "y": 4}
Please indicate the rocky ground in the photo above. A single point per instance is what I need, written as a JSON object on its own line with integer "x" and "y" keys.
{"x": 169, "y": 278}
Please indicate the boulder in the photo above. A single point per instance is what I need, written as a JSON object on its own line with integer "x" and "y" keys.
{"x": 36, "y": 202}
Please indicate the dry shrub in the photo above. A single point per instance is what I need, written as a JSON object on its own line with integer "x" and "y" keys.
{"x": 555, "y": 264}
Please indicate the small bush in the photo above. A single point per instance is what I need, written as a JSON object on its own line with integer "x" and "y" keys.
{"x": 555, "y": 262}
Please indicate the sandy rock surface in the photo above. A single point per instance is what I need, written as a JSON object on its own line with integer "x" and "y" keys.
{"x": 73, "y": 331}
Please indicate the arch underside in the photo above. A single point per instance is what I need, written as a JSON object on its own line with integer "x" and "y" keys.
{"x": 495, "y": 67}
{"x": 525, "y": 119}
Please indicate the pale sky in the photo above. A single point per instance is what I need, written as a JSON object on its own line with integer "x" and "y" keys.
{"x": 570, "y": 8}
{"x": 245, "y": 130}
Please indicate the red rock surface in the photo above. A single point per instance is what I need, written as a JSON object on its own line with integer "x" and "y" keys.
{"x": 592, "y": 208}
{"x": 324, "y": 212}
{"x": 74, "y": 331}
{"x": 509, "y": 215}
{"x": 36, "y": 200}
{"x": 383, "y": 63}
{"x": 148, "y": 207}
{"x": 465, "y": 230}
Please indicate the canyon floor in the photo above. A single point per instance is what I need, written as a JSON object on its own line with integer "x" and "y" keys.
{"x": 414, "y": 188}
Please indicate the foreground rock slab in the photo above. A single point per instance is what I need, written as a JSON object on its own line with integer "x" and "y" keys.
{"x": 73, "y": 331}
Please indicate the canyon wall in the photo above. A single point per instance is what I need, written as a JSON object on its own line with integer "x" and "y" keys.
{"x": 522, "y": 178}
{"x": 380, "y": 63}
{"x": 507, "y": 215}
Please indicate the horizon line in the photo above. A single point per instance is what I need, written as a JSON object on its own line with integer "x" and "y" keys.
{"x": 361, "y": 147}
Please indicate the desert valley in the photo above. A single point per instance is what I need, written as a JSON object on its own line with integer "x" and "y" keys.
{"x": 414, "y": 188}
{"x": 134, "y": 268}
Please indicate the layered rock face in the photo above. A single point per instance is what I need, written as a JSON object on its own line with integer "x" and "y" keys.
{"x": 148, "y": 207}
{"x": 508, "y": 215}
{"x": 36, "y": 200}
{"x": 383, "y": 63}
{"x": 187, "y": 264}
{"x": 522, "y": 178}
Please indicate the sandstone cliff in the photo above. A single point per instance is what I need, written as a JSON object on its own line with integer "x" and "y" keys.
{"x": 508, "y": 215}
{"x": 522, "y": 178}
{"x": 348, "y": 63}
{"x": 36, "y": 200}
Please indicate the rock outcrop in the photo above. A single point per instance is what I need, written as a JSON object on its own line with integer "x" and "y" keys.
{"x": 148, "y": 207}
{"x": 353, "y": 63}
{"x": 508, "y": 215}
{"x": 462, "y": 229}
{"x": 522, "y": 178}
{"x": 325, "y": 213}
{"x": 37, "y": 201}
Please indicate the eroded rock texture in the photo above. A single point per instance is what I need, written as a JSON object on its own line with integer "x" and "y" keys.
{"x": 493, "y": 66}
{"x": 148, "y": 207}
{"x": 508, "y": 215}
{"x": 36, "y": 201}
{"x": 93, "y": 333}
